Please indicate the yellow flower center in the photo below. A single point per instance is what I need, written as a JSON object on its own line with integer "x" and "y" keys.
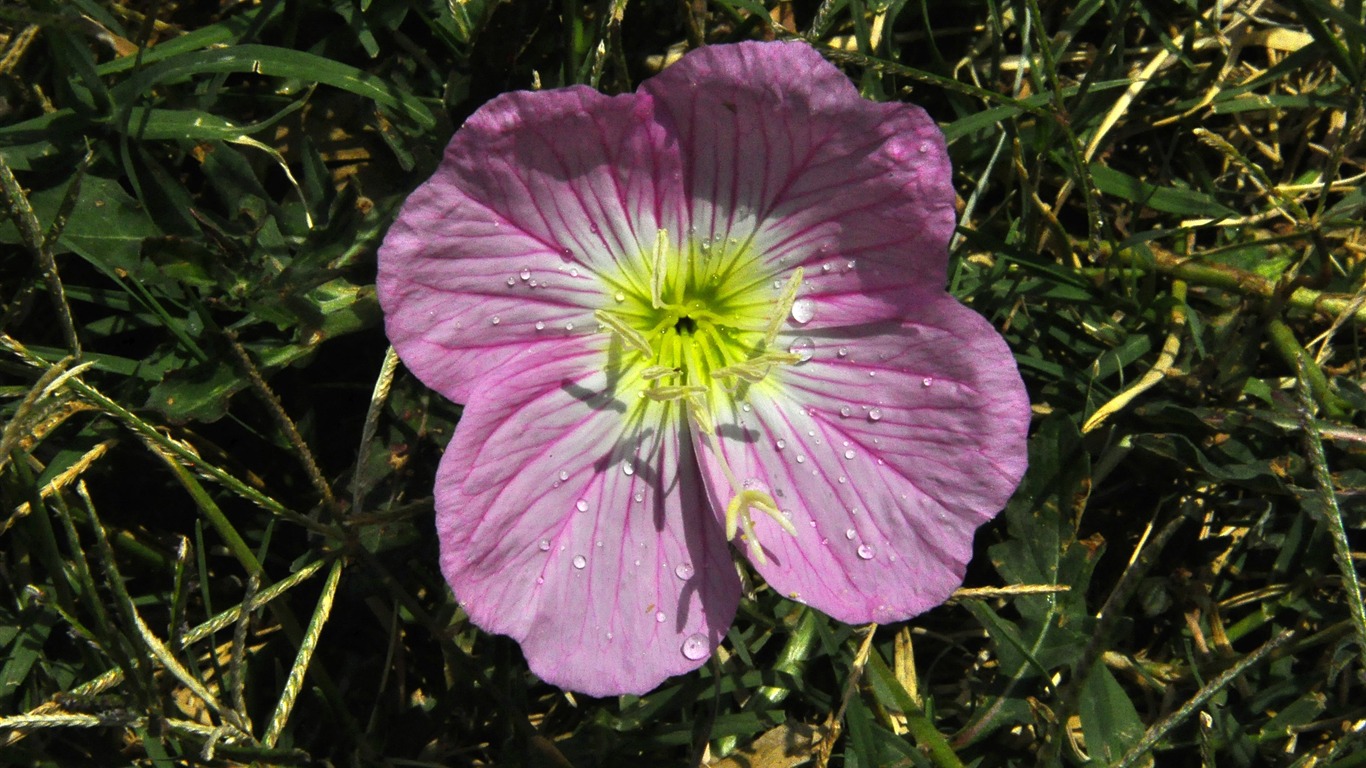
{"x": 696, "y": 327}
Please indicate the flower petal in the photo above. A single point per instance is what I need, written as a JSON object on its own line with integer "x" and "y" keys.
{"x": 886, "y": 450}
{"x": 575, "y": 523}
{"x": 515, "y": 240}
{"x": 779, "y": 150}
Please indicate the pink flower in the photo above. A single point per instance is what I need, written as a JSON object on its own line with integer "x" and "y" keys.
{"x": 710, "y": 311}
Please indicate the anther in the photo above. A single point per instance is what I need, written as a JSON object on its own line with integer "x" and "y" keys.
{"x": 629, "y": 336}
{"x": 785, "y": 301}
{"x": 756, "y": 368}
{"x": 657, "y": 265}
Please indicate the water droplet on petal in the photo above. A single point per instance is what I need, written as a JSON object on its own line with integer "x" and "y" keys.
{"x": 573, "y": 273}
{"x": 781, "y": 444}
{"x": 512, "y": 281}
{"x": 639, "y": 497}
{"x": 924, "y": 147}
{"x": 849, "y": 533}
{"x": 495, "y": 320}
{"x": 927, "y": 381}
{"x": 803, "y": 348}
{"x": 526, "y": 274}
{"x": 540, "y": 326}
{"x": 581, "y": 505}
{"x": 844, "y": 411}
{"x": 564, "y": 475}
{"x": 627, "y": 469}
{"x": 569, "y": 326}
{"x": 865, "y": 552}
{"x": 544, "y": 545}
{"x": 875, "y": 414}
{"x": 695, "y": 647}
{"x": 803, "y": 310}
{"x": 620, "y": 297}
{"x": 842, "y": 351}
{"x": 660, "y": 617}
{"x": 684, "y": 571}
{"x": 580, "y": 562}
{"x": 849, "y": 454}
{"x": 745, "y": 407}
{"x": 800, "y": 458}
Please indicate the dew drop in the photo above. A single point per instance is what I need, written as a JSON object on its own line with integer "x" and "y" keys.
{"x": 777, "y": 283}
{"x": 544, "y": 545}
{"x": 875, "y": 414}
{"x": 540, "y": 326}
{"x": 684, "y": 571}
{"x": 844, "y": 411}
{"x": 573, "y": 272}
{"x": 865, "y": 552}
{"x": 843, "y": 352}
{"x": 512, "y": 281}
{"x": 849, "y": 454}
{"x": 843, "y": 479}
{"x": 532, "y": 283}
{"x": 695, "y": 647}
{"x": 801, "y": 459}
{"x": 803, "y": 348}
{"x": 564, "y": 475}
{"x": 567, "y": 253}
{"x": 569, "y": 326}
{"x": 526, "y": 274}
{"x": 581, "y": 562}
{"x": 924, "y": 147}
{"x": 660, "y": 617}
{"x": 494, "y": 320}
{"x": 825, "y": 267}
{"x": 849, "y": 533}
{"x": 639, "y": 497}
{"x": 620, "y": 297}
{"x": 927, "y": 381}
{"x": 803, "y": 310}
{"x": 781, "y": 444}
{"x": 540, "y": 579}
{"x": 581, "y": 505}
{"x": 745, "y": 407}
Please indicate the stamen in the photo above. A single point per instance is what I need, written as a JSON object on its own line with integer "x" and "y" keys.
{"x": 657, "y": 265}
{"x": 756, "y": 368}
{"x": 657, "y": 372}
{"x": 668, "y": 393}
{"x": 629, "y": 336}
{"x": 785, "y": 301}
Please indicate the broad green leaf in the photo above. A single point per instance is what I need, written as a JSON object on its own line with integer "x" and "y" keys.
{"x": 1108, "y": 719}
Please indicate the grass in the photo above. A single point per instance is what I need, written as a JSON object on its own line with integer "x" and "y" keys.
{"x": 215, "y": 535}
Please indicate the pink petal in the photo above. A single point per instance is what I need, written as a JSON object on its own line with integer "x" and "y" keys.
{"x": 897, "y": 441}
{"x": 610, "y": 581}
{"x": 515, "y": 239}
{"x": 780, "y": 151}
